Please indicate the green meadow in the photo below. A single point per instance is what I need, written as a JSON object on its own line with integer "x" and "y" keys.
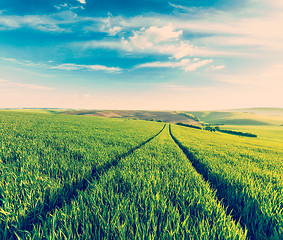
{"x": 247, "y": 117}
{"x": 73, "y": 175}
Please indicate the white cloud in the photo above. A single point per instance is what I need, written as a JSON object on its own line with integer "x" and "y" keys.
{"x": 194, "y": 66}
{"x": 61, "y": 6}
{"x": 110, "y": 26}
{"x": 100, "y": 44}
{"x": 185, "y": 64}
{"x": 252, "y": 28}
{"x": 23, "y": 62}
{"x": 73, "y": 67}
{"x": 256, "y": 32}
{"x": 82, "y": 1}
{"x": 162, "y": 40}
{"x": 42, "y": 23}
{"x": 179, "y": 50}
{"x": 227, "y": 29}
{"x": 77, "y": 7}
{"x": 9, "y": 59}
{"x": 182, "y": 63}
{"x": 6, "y": 83}
{"x": 214, "y": 68}
{"x": 66, "y": 6}
{"x": 180, "y": 7}
{"x": 66, "y": 66}
{"x": 156, "y": 35}
{"x": 59, "y": 22}
{"x": 177, "y": 6}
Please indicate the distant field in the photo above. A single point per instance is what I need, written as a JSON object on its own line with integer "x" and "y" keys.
{"x": 71, "y": 176}
{"x": 164, "y": 116}
{"x": 264, "y": 122}
{"x": 273, "y": 133}
{"x": 261, "y": 111}
{"x": 239, "y": 118}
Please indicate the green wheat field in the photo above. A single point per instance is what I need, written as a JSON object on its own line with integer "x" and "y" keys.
{"x": 138, "y": 175}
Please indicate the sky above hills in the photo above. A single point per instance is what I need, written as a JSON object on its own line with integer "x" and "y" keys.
{"x": 151, "y": 54}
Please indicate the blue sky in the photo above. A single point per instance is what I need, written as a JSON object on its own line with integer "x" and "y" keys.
{"x": 151, "y": 54}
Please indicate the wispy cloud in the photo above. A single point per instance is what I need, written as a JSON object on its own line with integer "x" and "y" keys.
{"x": 184, "y": 64}
{"x": 224, "y": 28}
{"x": 116, "y": 44}
{"x": 196, "y": 65}
{"x": 6, "y": 83}
{"x": 220, "y": 29}
{"x": 268, "y": 76}
{"x": 37, "y": 22}
{"x": 65, "y": 66}
{"x": 67, "y": 7}
{"x": 177, "y": 6}
{"x": 23, "y": 62}
{"x": 156, "y": 35}
{"x": 183, "y": 8}
{"x": 110, "y": 26}
{"x": 214, "y": 68}
{"x": 59, "y": 22}
{"x": 60, "y": 6}
{"x": 74, "y": 67}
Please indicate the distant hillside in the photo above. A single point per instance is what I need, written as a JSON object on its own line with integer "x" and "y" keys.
{"x": 240, "y": 117}
{"x": 261, "y": 111}
{"x": 164, "y": 116}
{"x": 36, "y": 110}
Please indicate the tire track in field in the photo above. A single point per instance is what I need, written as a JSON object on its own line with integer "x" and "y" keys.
{"x": 203, "y": 171}
{"x": 67, "y": 193}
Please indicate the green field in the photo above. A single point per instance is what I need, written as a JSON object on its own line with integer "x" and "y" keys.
{"x": 246, "y": 117}
{"x": 85, "y": 177}
{"x": 164, "y": 116}
{"x": 247, "y": 174}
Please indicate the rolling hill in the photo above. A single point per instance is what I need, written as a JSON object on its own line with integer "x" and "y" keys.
{"x": 164, "y": 116}
{"x": 240, "y": 118}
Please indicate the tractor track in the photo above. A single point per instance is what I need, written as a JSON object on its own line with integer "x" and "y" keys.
{"x": 67, "y": 193}
{"x": 203, "y": 171}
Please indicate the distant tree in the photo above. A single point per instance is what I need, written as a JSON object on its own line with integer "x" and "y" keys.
{"x": 210, "y": 128}
{"x": 189, "y": 125}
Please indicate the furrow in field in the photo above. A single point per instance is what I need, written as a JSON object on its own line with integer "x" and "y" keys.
{"x": 154, "y": 193}
{"x": 69, "y": 191}
{"x": 199, "y": 167}
{"x": 247, "y": 178}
